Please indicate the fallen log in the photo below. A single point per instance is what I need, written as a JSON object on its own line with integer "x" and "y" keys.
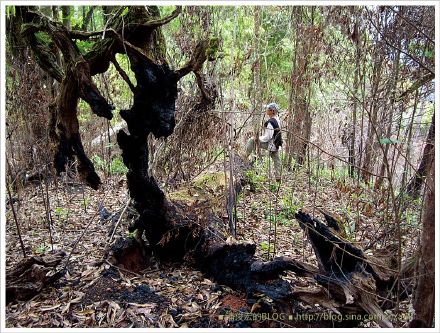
{"x": 31, "y": 275}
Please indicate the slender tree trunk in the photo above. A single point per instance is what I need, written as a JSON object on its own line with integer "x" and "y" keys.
{"x": 66, "y": 13}
{"x": 363, "y": 108}
{"x": 298, "y": 106}
{"x": 409, "y": 141}
{"x": 55, "y": 13}
{"x": 391, "y": 91}
{"x": 290, "y": 142}
{"x": 307, "y": 127}
{"x": 352, "y": 147}
{"x": 87, "y": 17}
{"x": 424, "y": 297}
{"x": 307, "y": 42}
{"x": 372, "y": 122}
{"x": 415, "y": 185}
{"x": 256, "y": 73}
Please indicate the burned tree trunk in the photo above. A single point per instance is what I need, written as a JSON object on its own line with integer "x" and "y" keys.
{"x": 154, "y": 97}
{"x": 75, "y": 82}
{"x": 47, "y": 37}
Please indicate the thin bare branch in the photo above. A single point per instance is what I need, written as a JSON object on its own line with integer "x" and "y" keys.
{"x": 386, "y": 41}
{"x": 157, "y": 23}
{"x": 129, "y": 47}
{"x": 412, "y": 25}
{"x": 205, "y": 50}
{"x": 427, "y": 78}
{"x": 123, "y": 75}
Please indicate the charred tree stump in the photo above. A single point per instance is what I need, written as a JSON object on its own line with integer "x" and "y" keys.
{"x": 235, "y": 265}
{"x": 344, "y": 270}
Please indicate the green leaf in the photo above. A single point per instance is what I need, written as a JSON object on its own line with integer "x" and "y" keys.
{"x": 84, "y": 46}
{"x": 264, "y": 246}
{"x": 124, "y": 12}
{"x": 387, "y": 141}
{"x": 43, "y": 38}
{"x": 10, "y": 11}
{"x": 429, "y": 53}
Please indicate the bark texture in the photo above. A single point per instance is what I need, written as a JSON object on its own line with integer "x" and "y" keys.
{"x": 415, "y": 185}
{"x": 424, "y": 296}
{"x": 31, "y": 275}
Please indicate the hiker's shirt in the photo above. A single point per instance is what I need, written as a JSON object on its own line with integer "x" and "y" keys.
{"x": 268, "y": 135}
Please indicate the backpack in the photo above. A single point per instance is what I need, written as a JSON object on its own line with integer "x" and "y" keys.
{"x": 277, "y": 138}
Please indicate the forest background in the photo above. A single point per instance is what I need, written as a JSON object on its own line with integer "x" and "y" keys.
{"x": 357, "y": 95}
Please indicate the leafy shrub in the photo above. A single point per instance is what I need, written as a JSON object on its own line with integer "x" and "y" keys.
{"x": 61, "y": 214}
{"x": 255, "y": 180}
{"x": 265, "y": 246}
{"x": 117, "y": 167}
{"x": 42, "y": 249}
{"x": 290, "y": 205}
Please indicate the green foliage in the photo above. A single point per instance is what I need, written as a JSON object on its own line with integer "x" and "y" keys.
{"x": 212, "y": 51}
{"x": 411, "y": 219}
{"x": 339, "y": 173}
{"x": 274, "y": 187}
{"x": 117, "y": 166}
{"x": 290, "y": 205}
{"x": 84, "y": 113}
{"x": 62, "y": 214}
{"x": 74, "y": 16}
{"x": 256, "y": 180}
{"x": 265, "y": 246}
{"x": 86, "y": 202}
{"x": 386, "y": 141}
{"x": 124, "y": 62}
{"x": 41, "y": 249}
{"x": 84, "y": 46}
{"x": 98, "y": 162}
{"x": 285, "y": 221}
{"x": 10, "y": 11}
{"x": 43, "y": 38}
{"x": 429, "y": 53}
{"x": 124, "y": 12}
{"x": 427, "y": 118}
{"x": 350, "y": 227}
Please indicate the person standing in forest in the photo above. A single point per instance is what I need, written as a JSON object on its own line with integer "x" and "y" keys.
{"x": 271, "y": 140}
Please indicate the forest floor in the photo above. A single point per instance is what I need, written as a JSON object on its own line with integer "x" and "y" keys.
{"x": 93, "y": 293}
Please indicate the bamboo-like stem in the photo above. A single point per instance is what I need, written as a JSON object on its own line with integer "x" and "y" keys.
{"x": 14, "y": 213}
